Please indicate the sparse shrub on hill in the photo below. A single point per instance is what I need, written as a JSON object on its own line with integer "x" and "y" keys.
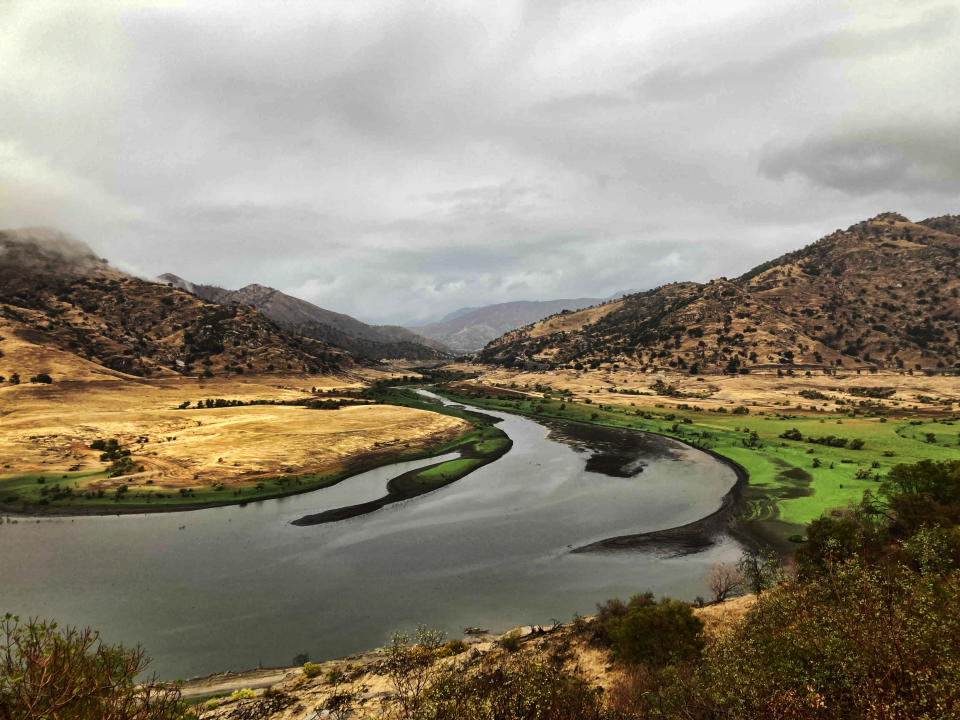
{"x": 513, "y": 687}
{"x": 41, "y": 378}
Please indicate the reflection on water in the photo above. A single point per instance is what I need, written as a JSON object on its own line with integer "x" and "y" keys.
{"x": 238, "y": 587}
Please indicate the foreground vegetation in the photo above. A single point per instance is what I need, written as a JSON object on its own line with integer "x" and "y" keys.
{"x": 800, "y": 464}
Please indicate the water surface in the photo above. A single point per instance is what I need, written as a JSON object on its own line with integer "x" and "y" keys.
{"x": 236, "y": 587}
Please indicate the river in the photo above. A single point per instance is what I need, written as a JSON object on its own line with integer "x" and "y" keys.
{"x": 237, "y": 587}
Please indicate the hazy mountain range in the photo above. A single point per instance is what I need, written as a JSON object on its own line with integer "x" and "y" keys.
{"x": 467, "y": 330}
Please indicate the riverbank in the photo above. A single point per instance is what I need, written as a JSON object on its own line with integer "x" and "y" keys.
{"x": 365, "y": 678}
{"x": 798, "y": 464}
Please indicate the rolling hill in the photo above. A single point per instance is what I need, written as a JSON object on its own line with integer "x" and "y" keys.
{"x": 299, "y": 317}
{"x": 881, "y": 294}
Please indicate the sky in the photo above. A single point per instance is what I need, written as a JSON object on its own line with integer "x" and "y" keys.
{"x": 397, "y": 160}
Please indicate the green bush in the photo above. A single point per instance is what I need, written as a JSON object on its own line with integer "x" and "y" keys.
{"x": 62, "y": 674}
{"x": 856, "y": 642}
{"x": 649, "y": 632}
{"x": 311, "y": 670}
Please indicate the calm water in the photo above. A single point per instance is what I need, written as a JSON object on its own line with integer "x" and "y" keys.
{"x": 231, "y": 588}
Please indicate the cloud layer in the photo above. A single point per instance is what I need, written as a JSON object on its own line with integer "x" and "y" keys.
{"x": 398, "y": 160}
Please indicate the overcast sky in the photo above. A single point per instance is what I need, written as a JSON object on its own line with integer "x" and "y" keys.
{"x": 396, "y": 160}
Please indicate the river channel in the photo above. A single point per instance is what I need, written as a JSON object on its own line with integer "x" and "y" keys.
{"x": 237, "y": 587}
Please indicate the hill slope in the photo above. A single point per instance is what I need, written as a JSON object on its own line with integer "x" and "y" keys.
{"x": 300, "y": 317}
{"x": 883, "y": 293}
{"x": 469, "y": 329}
{"x": 56, "y": 296}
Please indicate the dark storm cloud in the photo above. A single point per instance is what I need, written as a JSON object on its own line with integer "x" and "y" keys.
{"x": 395, "y": 160}
{"x": 907, "y": 159}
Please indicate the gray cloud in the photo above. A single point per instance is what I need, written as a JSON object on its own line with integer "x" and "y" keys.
{"x": 395, "y": 161}
{"x": 902, "y": 159}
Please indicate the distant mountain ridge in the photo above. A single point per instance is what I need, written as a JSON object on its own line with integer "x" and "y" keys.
{"x": 467, "y": 330}
{"x": 305, "y": 319}
{"x": 883, "y": 293}
{"x": 56, "y": 294}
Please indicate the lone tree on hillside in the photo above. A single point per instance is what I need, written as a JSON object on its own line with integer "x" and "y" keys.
{"x": 724, "y": 580}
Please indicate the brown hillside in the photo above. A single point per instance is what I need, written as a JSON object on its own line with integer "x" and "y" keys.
{"x": 57, "y": 296}
{"x": 883, "y": 293}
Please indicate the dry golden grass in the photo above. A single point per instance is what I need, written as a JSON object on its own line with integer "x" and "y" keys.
{"x": 760, "y": 390}
{"x": 574, "y": 320}
{"x": 48, "y": 428}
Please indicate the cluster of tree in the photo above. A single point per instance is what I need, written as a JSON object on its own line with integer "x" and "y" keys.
{"x": 312, "y": 403}
{"x": 828, "y": 440}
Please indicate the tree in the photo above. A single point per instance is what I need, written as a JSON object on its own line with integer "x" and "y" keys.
{"x": 724, "y": 580}
{"x": 760, "y": 569}
{"x": 66, "y": 674}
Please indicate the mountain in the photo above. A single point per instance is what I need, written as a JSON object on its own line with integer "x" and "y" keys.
{"x": 883, "y": 293}
{"x": 59, "y": 299}
{"x": 468, "y": 329}
{"x": 300, "y": 317}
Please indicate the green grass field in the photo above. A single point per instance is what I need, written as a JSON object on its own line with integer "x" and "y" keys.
{"x": 791, "y": 482}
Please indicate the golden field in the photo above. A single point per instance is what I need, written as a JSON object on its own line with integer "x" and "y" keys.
{"x": 762, "y": 390}
{"x": 48, "y": 429}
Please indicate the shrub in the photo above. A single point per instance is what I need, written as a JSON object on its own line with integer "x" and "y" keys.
{"x": 645, "y": 631}
{"x": 792, "y": 434}
{"x": 408, "y": 662}
{"x": 311, "y": 670}
{"x": 858, "y": 642}
{"x": 243, "y": 694}
{"x": 41, "y": 378}
{"x": 660, "y": 634}
{"x": 512, "y": 687}
{"x": 49, "y": 672}
{"x": 510, "y": 642}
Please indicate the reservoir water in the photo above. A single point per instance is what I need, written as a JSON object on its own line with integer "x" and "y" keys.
{"x": 237, "y": 587}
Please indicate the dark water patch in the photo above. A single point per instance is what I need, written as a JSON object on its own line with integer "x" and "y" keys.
{"x": 616, "y": 452}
